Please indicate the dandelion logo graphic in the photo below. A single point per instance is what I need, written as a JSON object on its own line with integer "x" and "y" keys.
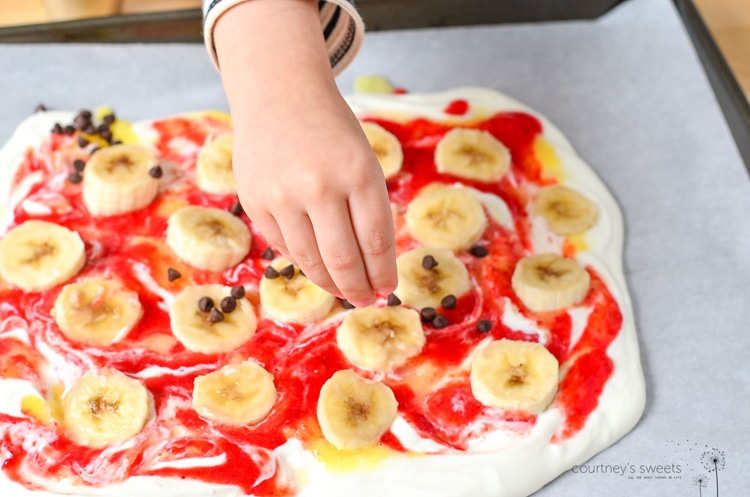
{"x": 713, "y": 461}
{"x": 700, "y": 481}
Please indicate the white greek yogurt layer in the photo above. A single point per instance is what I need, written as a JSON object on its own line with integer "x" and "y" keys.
{"x": 498, "y": 465}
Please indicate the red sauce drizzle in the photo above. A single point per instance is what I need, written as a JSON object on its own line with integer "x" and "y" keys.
{"x": 457, "y": 108}
{"x": 448, "y": 414}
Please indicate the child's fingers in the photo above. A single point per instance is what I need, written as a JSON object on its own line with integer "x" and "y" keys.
{"x": 267, "y": 225}
{"x": 341, "y": 253}
{"x": 300, "y": 239}
{"x": 373, "y": 226}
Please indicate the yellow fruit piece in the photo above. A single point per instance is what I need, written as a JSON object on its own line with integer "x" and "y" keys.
{"x": 372, "y": 84}
{"x": 546, "y": 155}
{"x": 37, "y": 408}
{"x": 101, "y": 111}
{"x": 345, "y": 460}
{"x": 123, "y": 131}
{"x": 579, "y": 242}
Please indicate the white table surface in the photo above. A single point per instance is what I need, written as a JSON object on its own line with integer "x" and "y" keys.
{"x": 630, "y": 94}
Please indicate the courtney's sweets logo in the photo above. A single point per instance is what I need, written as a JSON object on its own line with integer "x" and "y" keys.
{"x": 685, "y": 465}
{"x": 635, "y": 471}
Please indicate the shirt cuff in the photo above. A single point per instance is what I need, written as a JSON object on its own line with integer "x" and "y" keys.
{"x": 342, "y": 27}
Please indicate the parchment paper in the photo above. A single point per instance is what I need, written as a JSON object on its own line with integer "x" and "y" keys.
{"x": 630, "y": 94}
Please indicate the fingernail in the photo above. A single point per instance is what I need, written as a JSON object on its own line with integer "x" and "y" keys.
{"x": 386, "y": 291}
{"x": 362, "y": 303}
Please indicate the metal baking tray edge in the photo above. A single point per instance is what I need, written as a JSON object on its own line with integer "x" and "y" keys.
{"x": 734, "y": 104}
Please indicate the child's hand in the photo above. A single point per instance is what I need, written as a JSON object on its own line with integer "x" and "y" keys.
{"x": 306, "y": 174}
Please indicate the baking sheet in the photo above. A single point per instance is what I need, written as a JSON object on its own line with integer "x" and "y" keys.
{"x": 630, "y": 94}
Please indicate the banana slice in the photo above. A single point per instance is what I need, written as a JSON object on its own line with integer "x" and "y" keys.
{"x": 419, "y": 287}
{"x": 293, "y": 299}
{"x": 380, "y": 338}
{"x": 354, "y": 412}
{"x": 211, "y": 331}
{"x": 566, "y": 211}
{"x": 239, "y": 394}
{"x": 96, "y": 311}
{"x": 386, "y": 146}
{"x": 547, "y": 282}
{"x": 117, "y": 180}
{"x": 37, "y": 255}
{"x": 446, "y": 217}
{"x": 213, "y": 171}
{"x": 105, "y": 408}
{"x": 208, "y": 238}
{"x": 514, "y": 375}
{"x": 472, "y": 154}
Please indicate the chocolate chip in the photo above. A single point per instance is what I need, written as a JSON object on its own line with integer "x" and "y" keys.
{"x": 449, "y": 302}
{"x": 155, "y": 172}
{"x": 270, "y": 273}
{"x": 116, "y": 142}
{"x": 79, "y": 165}
{"x": 82, "y": 141}
{"x": 428, "y": 313}
{"x": 236, "y": 208}
{"x": 479, "y": 251}
{"x": 215, "y": 315}
{"x": 69, "y": 130}
{"x": 205, "y": 304}
{"x": 440, "y": 321}
{"x": 173, "y": 274}
{"x": 346, "y": 304}
{"x": 393, "y": 300}
{"x": 108, "y": 119}
{"x": 57, "y": 129}
{"x": 85, "y": 113}
{"x": 268, "y": 254}
{"x": 238, "y": 291}
{"x": 228, "y": 304}
{"x": 89, "y": 129}
{"x": 106, "y": 134}
{"x": 81, "y": 122}
{"x": 103, "y": 127}
{"x": 484, "y": 326}
{"x": 40, "y": 108}
{"x": 429, "y": 262}
{"x": 75, "y": 177}
{"x": 287, "y": 272}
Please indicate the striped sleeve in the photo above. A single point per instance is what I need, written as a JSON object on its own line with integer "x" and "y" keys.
{"x": 342, "y": 27}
